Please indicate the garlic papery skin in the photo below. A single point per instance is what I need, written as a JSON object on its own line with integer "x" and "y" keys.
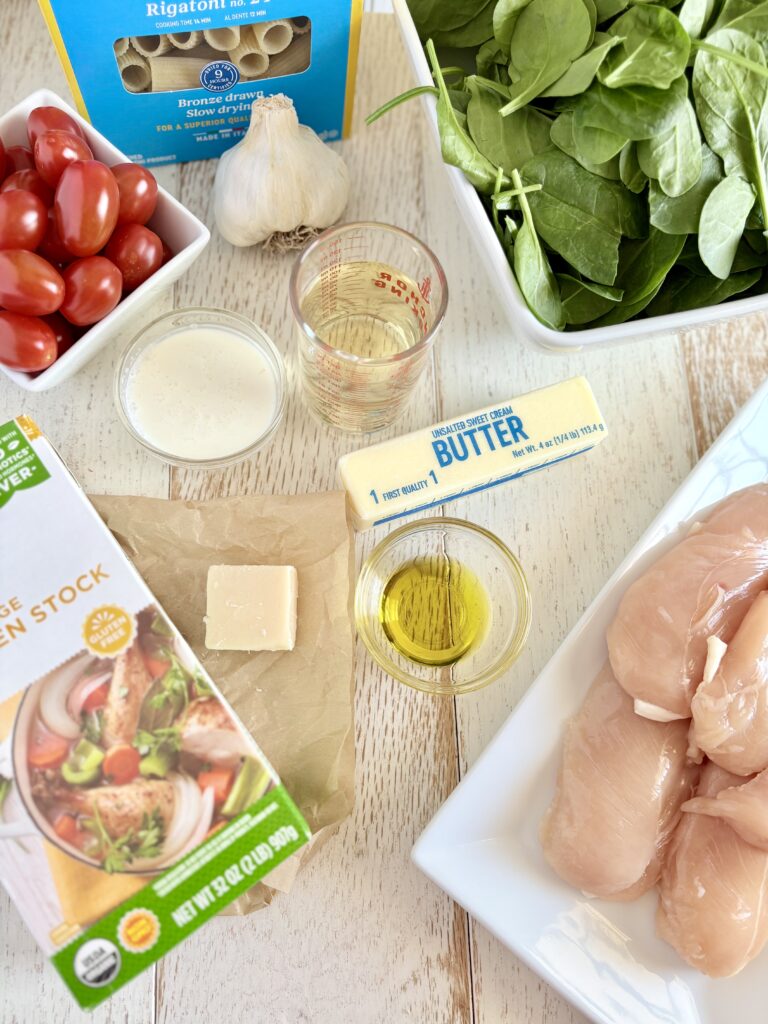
{"x": 278, "y": 179}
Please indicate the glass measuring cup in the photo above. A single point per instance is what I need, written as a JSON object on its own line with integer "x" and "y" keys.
{"x": 368, "y": 300}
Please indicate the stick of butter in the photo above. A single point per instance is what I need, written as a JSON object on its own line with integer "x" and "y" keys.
{"x": 470, "y": 453}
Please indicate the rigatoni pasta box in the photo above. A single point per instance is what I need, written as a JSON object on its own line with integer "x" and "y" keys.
{"x": 174, "y": 81}
{"x": 133, "y": 804}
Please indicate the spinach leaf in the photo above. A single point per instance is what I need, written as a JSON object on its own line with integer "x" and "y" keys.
{"x": 580, "y": 215}
{"x": 472, "y": 33}
{"x": 532, "y": 269}
{"x": 549, "y": 34}
{"x": 507, "y": 142}
{"x": 634, "y": 111}
{"x": 630, "y": 171}
{"x": 582, "y": 301}
{"x": 433, "y": 16}
{"x": 750, "y": 16}
{"x": 561, "y": 133}
{"x": 626, "y": 310}
{"x": 491, "y": 60}
{"x": 644, "y": 264}
{"x": 607, "y": 9}
{"x": 505, "y": 17}
{"x": 695, "y": 16}
{"x": 679, "y": 215}
{"x": 592, "y": 12}
{"x": 456, "y": 144}
{"x": 653, "y": 49}
{"x": 732, "y": 105}
{"x": 673, "y": 157}
{"x": 596, "y": 144}
{"x": 685, "y": 291}
{"x": 582, "y": 71}
{"x": 723, "y": 218}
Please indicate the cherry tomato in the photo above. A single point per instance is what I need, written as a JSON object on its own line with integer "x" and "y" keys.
{"x": 86, "y": 206}
{"x": 168, "y": 253}
{"x": 26, "y": 342}
{"x": 138, "y": 193}
{"x": 23, "y": 220}
{"x": 92, "y": 288}
{"x": 19, "y": 158}
{"x": 54, "y": 150}
{"x": 29, "y": 181}
{"x": 2, "y": 159}
{"x": 52, "y": 247}
{"x": 46, "y": 119}
{"x": 137, "y": 253}
{"x": 28, "y": 283}
{"x": 65, "y": 333}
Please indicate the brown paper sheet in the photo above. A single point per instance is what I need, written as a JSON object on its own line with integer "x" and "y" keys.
{"x": 298, "y": 704}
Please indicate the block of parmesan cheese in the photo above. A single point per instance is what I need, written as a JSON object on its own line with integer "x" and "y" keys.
{"x": 251, "y": 608}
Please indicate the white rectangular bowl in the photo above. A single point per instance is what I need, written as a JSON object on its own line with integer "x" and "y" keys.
{"x": 182, "y": 231}
{"x": 482, "y": 846}
{"x": 497, "y": 265}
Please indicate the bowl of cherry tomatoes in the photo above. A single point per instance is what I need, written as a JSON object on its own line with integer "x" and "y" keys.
{"x": 87, "y": 239}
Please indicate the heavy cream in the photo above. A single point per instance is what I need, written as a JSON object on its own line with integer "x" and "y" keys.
{"x": 201, "y": 393}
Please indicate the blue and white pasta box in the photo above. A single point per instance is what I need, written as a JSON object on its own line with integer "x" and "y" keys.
{"x": 174, "y": 81}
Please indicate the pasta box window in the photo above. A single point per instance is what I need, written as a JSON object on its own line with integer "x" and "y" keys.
{"x": 174, "y": 81}
{"x": 133, "y": 803}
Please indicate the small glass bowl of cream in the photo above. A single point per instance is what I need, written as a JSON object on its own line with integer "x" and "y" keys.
{"x": 201, "y": 388}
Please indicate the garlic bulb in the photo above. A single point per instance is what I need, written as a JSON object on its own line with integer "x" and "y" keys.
{"x": 280, "y": 179}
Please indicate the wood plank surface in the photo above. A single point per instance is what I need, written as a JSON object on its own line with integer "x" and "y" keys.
{"x": 364, "y": 938}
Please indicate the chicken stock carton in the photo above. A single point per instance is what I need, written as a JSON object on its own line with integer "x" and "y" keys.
{"x": 133, "y": 804}
{"x": 175, "y": 80}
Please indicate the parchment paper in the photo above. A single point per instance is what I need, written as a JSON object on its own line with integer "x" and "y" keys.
{"x": 298, "y": 704}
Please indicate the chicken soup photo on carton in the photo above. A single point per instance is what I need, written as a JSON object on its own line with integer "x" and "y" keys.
{"x": 133, "y": 804}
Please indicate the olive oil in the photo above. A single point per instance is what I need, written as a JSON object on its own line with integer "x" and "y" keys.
{"x": 434, "y": 610}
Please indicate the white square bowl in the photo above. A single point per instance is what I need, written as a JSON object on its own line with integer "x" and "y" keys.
{"x": 496, "y": 264}
{"x": 482, "y": 846}
{"x": 182, "y": 231}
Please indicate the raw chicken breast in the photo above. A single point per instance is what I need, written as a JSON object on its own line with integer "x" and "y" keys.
{"x": 744, "y": 808}
{"x": 700, "y": 588}
{"x": 713, "y": 907}
{"x": 621, "y": 784}
{"x": 730, "y": 709}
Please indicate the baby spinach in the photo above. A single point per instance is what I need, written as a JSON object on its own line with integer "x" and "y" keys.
{"x": 507, "y": 142}
{"x": 679, "y": 215}
{"x": 732, "y": 106}
{"x": 580, "y": 215}
{"x": 505, "y": 15}
{"x": 582, "y": 71}
{"x": 584, "y": 300}
{"x": 723, "y": 218}
{"x": 547, "y": 37}
{"x": 630, "y": 171}
{"x": 583, "y": 128}
{"x": 561, "y": 133}
{"x": 695, "y": 16}
{"x": 673, "y": 157}
{"x": 532, "y": 269}
{"x": 653, "y": 49}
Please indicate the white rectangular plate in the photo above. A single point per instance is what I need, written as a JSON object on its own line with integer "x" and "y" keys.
{"x": 482, "y": 846}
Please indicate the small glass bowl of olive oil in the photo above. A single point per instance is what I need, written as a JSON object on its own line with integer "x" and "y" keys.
{"x": 443, "y": 606}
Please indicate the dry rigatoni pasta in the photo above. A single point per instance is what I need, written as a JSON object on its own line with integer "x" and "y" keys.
{"x": 170, "y": 72}
{"x": 249, "y": 59}
{"x": 292, "y": 60}
{"x": 300, "y": 26}
{"x": 222, "y": 38}
{"x": 273, "y": 36}
{"x": 185, "y": 40}
{"x": 121, "y": 45}
{"x": 134, "y": 70}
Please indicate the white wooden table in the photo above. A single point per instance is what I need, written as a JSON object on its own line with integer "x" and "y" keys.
{"x": 364, "y": 938}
